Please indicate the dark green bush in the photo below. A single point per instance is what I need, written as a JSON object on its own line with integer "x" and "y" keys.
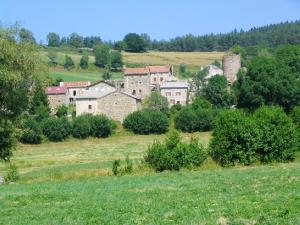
{"x": 56, "y": 129}
{"x": 174, "y": 154}
{"x": 81, "y": 127}
{"x": 31, "y": 132}
{"x": 61, "y": 111}
{"x": 279, "y": 138}
{"x": 7, "y": 140}
{"x": 147, "y": 122}
{"x": 235, "y": 138}
{"x": 295, "y": 115}
{"x": 12, "y": 174}
{"x": 101, "y": 126}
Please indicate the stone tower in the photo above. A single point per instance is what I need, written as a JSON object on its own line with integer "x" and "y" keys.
{"x": 231, "y": 67}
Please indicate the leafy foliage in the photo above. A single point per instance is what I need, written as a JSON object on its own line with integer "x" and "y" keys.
{"x": 116, "y": 61}
{"x": 69, "y": 63}
{"x": 156, "y": 101}
{"x": 134, "y": 43}
{"x": 102, "y": 56}
{"x": 81, "y": 127}
{"x": 7, "y": 141}
{"x": 62, "y": 111}
{"x": 56, "y": 129}
{"x": 84, "y": 61}
{"x": 147, "y": 122}
{"x": 100, "y": 126}
{"x": 31, "y": 132}
{"x": 173, "y": 154}
{"x": 12, "y": 174}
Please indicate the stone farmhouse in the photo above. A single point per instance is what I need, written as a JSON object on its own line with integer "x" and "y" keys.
{"x": 75, "y": 89}
{"x": 177, "y": 92}
{"x": 57, "y": 96}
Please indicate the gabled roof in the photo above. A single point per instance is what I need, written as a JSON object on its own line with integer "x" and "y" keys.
{"x": 98, "y": 95}
{"x": 104, "y": 82}
{"x": 75, "y": 84}
{"x": 136, "y": 71}
{"x": 159, "y": 69}
{"x": 55, "y": 90}
{"x": 174, "y": 84}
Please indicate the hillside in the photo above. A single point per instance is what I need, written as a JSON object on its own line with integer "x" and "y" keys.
{"x": 192, "y": 59}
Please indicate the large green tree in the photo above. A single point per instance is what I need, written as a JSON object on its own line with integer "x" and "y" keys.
{"x": 102, "y": 55}
{"x": 268, "y": 81}
{"x": 18, "y": 64}
{"x": 84, "y": 61}
{"x": 26, "y": 36}
{"x": 116, "y": 61}
{"x": 134, "y": 43}
{"x": 53, "y": 39}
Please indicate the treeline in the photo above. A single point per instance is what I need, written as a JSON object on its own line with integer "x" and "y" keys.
{"x": 269, "y": 36}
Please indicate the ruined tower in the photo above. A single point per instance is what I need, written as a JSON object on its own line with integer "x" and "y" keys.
{"x": 231, "y": 67}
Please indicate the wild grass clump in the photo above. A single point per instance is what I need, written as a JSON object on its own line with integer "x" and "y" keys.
{"x": 12, "y": 174}
{"x": 117, "y": 169}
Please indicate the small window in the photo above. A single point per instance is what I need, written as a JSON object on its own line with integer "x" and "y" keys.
{"x": 172, "y": 101}
{"x": 178, "y": 94}
{"x": 74, "y": 93}
{"x": 154, "y": 79}
{"x": 168, "y": 93}
{"x": 140, "y": 91}
{"x": 140, "y": 82}
{"x": 90, "y": 106}
{"x": 178, "y": 102}
{"x": 134, "y": 92}
{"x": 161, "y": 79}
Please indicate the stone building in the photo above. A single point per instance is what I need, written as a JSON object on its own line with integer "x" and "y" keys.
{"x": 57, "y": 96}
{"x": 137, "y": 82}
{"x": 231, "y": 67}
{"x": 176, "y": 92}
{"x": 101, "y": 86}
{"x": 213, "y": 70}
{"x": 116, "y": 105}
{"x": 75, "y": 89}
{"x": 160, "y": 74}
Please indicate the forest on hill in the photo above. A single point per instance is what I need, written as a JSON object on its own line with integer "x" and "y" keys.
{"x": 269, "y": 36}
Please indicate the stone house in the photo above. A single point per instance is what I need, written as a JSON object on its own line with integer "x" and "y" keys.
{"x": 57, "y": 96}
{"x": 160, "y": 74}
{"x": 75, "y": 89}
{"x": 114, "y": 104}
{"x": 137, "y": 82}
{"x": 176, "y": 92}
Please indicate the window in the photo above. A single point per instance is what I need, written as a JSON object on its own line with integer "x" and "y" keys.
{"x": 178, "y": 102}
{"x": 172, "y": 101}
{"x": 168, "y": 93}
{"x": 154, "y": 79}
{"x": 161, "y": 79}
{"x": 133, "y": 92}
{"x": 140, "y": 91}
{"x": 90, "y": 106}
{"x": 140, "y": 82}
{"x": 178, "y": 94}
{"x": 74, "y": 93}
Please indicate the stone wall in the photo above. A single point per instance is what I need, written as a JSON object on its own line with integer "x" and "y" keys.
{"x": 231, "y": 67}
{"x": 138, "y": 85}
{"x": 175, "y": 95}
{"x": 86, "y": 106}
{"x": 117, "y": 105}
{"x": 159, "y": 78}
{"x": 56, "y": 100}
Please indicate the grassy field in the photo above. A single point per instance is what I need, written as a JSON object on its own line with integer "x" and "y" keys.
{"x": 253, "y": 195}
{"x": 192, "y": 59}
{"x": 70, "y": 183}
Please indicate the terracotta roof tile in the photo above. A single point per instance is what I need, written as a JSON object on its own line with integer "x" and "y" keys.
{"x": 56, "y": 90}
{"x": 136, "y": 71}
{"x": 75, "y": 84}
{"x": 159, "y": 69}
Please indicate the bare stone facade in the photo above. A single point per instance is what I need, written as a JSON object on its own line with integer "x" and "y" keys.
{"x": 101, "y": 87}
{"x": 231, "y": 67}
{"x": 176, "y": 92}
{"x": 56, "y": 100}
{"x": 116, "y": 105}
{"x": 137, "y": 85}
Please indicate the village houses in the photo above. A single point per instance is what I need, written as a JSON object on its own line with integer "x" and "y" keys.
{"x": 177, "y": 92}
{"x": 57, "y": 96}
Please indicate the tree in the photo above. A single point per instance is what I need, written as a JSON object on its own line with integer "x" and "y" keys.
{"x": 106, "y": 75}
{"x": 120, "y": 46}
{"x": 116, "y": 61}
{"x": 18, "y": 65}
{"x": 199, "y": 81}
{"x": 290, "y": 56}
{"x": 134, "y": 43}
{"x": 53, "y": 39}
{"x": 147, "y": 41}
{"x": 84, "y": 61}
{"x": 53, "y": 59}
{"x": 39, "y": 98}
{"x": 101, "y": 55}
{"x": 75, "y": 40}
{"x": 26, "y": 36}
{"x": 267, "y": 82}
{"x": 156, "y": 101}
{"x": 62, "y": 111}
{"x": 216, "y": 92}
{"x": 69, "y": 64}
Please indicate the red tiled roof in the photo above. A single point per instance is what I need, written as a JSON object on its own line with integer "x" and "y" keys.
{"x": 75, "y": 84}
{"x": 55, "y": 90}
{"x": 136, "y": 71}
{"x": 159, "y": 69}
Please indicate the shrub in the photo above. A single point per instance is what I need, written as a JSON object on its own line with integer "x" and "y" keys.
{"x": 7, "y": 140}
{"x": 147, "y": 122}
{"x": 61, "y": 111}
{"x": 235, "y": 138}
{"x": 201, "y": 103}
{"x": 12, "y": 174}
{"x": 173, "y": 154}
{"x": 31, "y": 131}
{"x": 118, "y": 170}
{"x": 295, "y": 115}
{"x": 81, "y": 127}
{"x": 115, "y": 168}
{"x": 279, "y": 138}
{"x": 101, "y": 126}
{"x": 56, "y": 129}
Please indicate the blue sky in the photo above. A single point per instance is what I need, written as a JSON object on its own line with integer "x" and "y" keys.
{"x": 161, "y": 19}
